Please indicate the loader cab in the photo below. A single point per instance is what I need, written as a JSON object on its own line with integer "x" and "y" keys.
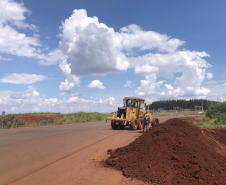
{"x": 134, "y": 104}
{"x": 130, "y": 103}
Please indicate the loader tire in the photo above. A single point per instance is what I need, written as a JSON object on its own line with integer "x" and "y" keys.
{"x": 113, "y": 125}
{"x": 133, "y": 124}
{"x": 140, "y": 124}
{"x": 155, "y": 122}
{"x": 121, "y": 126}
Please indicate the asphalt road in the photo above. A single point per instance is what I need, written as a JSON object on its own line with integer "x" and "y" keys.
{"x": 63, "y": 154}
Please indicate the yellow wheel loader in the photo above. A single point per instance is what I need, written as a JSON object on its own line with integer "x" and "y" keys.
{"x": 131, "y": 114}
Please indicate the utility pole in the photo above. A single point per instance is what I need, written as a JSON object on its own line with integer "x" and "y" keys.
{"x": 202, "y": 105}
{"x": 18, "y": 110}
{"x": 51, "y": 108}
{"x": 89, "y": 107}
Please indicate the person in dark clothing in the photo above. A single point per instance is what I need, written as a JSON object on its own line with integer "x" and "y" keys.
{"x": 146, "y": 122}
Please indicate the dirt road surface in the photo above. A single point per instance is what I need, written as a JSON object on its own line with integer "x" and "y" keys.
{"x": 63, "y": 154}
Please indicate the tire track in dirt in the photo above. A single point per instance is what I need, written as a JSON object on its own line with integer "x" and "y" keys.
{"x": 207, "y": 134}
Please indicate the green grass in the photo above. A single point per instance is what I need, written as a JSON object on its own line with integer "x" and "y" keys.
{"x": 159, "y": 114}
{"x": 211, "y": 122}
{"x": 8, "y": 122}
{"x": 84, "y": 117}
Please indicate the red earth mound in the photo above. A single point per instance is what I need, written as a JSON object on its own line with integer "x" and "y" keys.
{"x": 36, "y": 119}
{"x": 176, "y": 152}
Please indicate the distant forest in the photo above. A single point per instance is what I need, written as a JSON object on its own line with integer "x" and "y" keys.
{"x": 183, "y": 104}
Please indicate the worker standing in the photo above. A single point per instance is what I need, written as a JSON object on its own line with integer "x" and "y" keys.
{"x": 146, "y": 122}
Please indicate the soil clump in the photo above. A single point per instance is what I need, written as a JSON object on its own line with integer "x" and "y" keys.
{"x": 175, "y": 152}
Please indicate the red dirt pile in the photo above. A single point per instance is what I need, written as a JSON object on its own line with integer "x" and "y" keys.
{"x": 36, "y": 119}
{"x": 175, "y": 152}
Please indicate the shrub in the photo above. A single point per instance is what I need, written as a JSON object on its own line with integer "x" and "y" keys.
{"x": 6, "y": 121}
{"x": 215, "y": 110}
{"x": 221, "y": 119}
{"x": 217, "y": 113}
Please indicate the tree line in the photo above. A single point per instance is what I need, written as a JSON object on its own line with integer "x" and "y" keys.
{"x": 181, "y": 104}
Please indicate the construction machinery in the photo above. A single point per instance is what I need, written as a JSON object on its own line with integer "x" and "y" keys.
{"x": 131, "y": 114}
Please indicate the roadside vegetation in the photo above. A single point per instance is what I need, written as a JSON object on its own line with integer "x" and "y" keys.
{"x": 41, "y": 114}
{"x": 215, "y": 116}
{"x": 159, "y": 114}
{"x": 11, "y": 120}
{"x": 183, "y": 104}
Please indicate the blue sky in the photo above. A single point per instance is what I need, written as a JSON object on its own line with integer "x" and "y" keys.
{"x": 74, "y": 54}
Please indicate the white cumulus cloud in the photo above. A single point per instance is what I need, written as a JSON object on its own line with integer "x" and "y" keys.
{"x": 190, "y": 64}
{"x": 134, "y": 37}
{"x": 93, "y": 47}
{"x": 149, "y": 86}
{"x": 169, "y": 87}
{"x": 96, "y": 84}
{"x": 73, "y": 100}
{"x": 203, "y": 91}
{"x": 209, "y": 76}
{"x": 22, "y": 78}
{"x": 14, "y": 42}
{"x": 96, "y": 49}
{"x": 53, "y": 57}
{"x": 13, "y": 12}
{"x": 32, "y": 101}
{"x": 128, "y": 83}
{"x": 174, "y": 92}
{"x": 66, "y": 85}
{"x": 211, "y": 82}
{"x": 12, "y": 17}
{"x": 71, "y": 80}
{"x": 145, "y": 69}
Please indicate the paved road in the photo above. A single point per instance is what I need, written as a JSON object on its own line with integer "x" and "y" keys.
{"x": 37, "y": 154}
